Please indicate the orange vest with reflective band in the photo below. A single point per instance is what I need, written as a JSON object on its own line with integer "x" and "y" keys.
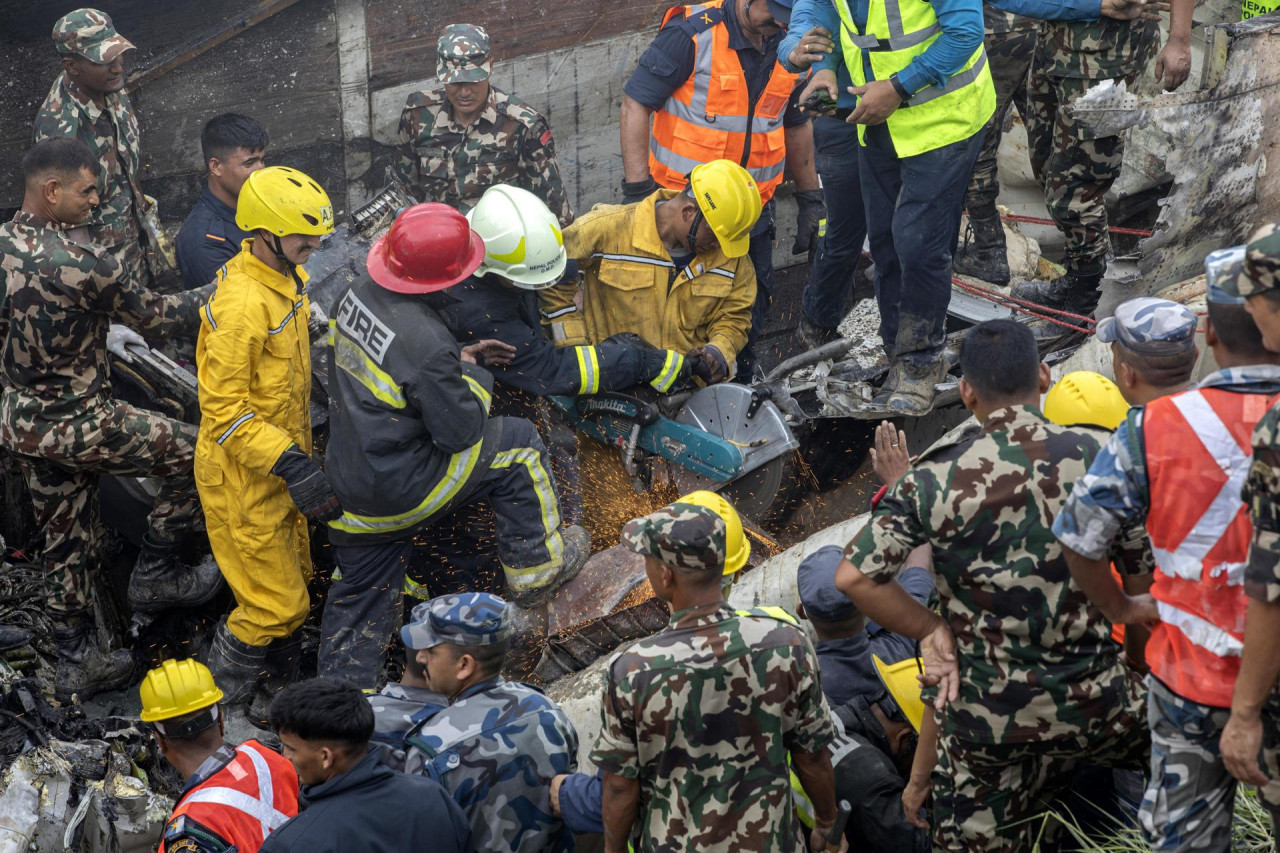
{"x": 710, "y": 116}
{"x": 244, "y": 801}
{"x": 1198, "y": 453}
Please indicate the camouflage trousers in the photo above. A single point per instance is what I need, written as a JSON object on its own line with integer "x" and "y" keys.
{"x": 987, "y": 796}
{"x": 1009, "y": 55}
{"x": 61, "y": 465}
{"x": 1190, "y": 799}
{"x": 1073, "y": 164}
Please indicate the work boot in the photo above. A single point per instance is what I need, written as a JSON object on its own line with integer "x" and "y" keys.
{"x": 84, "y": 670}
{"x": 577, "y": 548}
{"x": 811, "y": 336}
{"x": 236, "y": 667}
{"x": 284, "y": 656}
{"x": 916, "y": 389}
{"x": 1075, "y": 292}
{"x": 890, "y": 385}
{"x": 983, "y": 254}
{"x": 160, "y": 580}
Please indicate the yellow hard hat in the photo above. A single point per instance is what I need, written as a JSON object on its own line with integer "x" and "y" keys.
{"x": 900, "y": 680}
{"x": 1084, "y": 397}
{"x": 176, "y": 688}
{"x": 737, "y": 548}
{"x": 729, "y": 200}
{"x": 284, "y": 201}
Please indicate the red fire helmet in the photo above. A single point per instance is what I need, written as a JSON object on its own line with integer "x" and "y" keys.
{"x": 429, "y": 247}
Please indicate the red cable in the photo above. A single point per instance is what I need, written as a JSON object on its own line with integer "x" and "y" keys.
{"x": 1036, "y": 220}
{"x": 1017, "y": 305}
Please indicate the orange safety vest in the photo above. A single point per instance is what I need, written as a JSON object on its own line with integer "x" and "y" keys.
{"x": 244, "y": 801}
{"x": 1198, "y": 453}
{"x": 710, "y": 116}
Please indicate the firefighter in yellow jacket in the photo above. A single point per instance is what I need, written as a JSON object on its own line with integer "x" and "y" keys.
{"x": 253, "y": 468}
{"x": 671, "y": 268}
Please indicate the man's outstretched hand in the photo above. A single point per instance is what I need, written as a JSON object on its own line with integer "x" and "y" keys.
{"x": 488, "y": 352}
{"x": 1132, "y": 10}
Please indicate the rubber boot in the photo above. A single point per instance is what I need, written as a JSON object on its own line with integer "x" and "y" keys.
{"x": 160, "y": 580}
{"x": 284, "y": 656}
{"x": 236, "y": 667}
{"x": 890, "y": 385}
{"x": 577, "y": 548}
{"x": 915, "y": 392}
{"x": 983, "y": 254}
{"x": 84, "y": 669}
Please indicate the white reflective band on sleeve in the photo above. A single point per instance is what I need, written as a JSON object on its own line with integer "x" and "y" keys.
{"x": 588, "y": 370}
{"x": 234, "y": 427}
{"x": 1200, "y": 632}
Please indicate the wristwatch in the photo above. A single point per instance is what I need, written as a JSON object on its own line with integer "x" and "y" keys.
{"x": 899, "y": 88}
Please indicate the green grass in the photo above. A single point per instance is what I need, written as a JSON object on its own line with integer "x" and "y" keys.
{"x": 1250, "y": 834}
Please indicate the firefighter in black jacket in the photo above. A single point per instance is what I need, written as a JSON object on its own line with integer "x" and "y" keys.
{"x": 411, "y": 442}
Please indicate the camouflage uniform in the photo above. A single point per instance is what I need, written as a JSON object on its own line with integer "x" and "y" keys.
{"x": 706, "y": 712}
{"x": 509, "y": 143}
{"x": 499, "y": 744}
{"x": 1042, "y": 686}
{"x": 111, "y": 133}
{"x": 397, "y": 708}
{"x": 57, "y": 415}
{"x": 1074, "y": 164}
{"x": 1010, "y": 42}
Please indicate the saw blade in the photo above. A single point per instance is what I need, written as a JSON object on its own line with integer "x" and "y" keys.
{"x": 751, "y": 494}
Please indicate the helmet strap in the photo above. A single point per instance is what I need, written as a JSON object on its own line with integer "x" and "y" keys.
{"x": 693, "y": 229}
{"x": 290, "y": 267}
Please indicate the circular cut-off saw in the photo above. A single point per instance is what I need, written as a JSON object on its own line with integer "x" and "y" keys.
{"x": 726, "y": 438}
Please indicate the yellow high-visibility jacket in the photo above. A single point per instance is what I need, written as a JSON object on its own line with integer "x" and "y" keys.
{"x": 254, "y": 364}
{"x": 628, "y": 286}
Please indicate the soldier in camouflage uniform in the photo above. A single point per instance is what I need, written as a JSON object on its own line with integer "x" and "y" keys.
{"x": 1010, "y": 41}
{"x": 499, "y": 744}
{"x": 57, "y": 416}
{"x": 1250, "y": 742}
{"x": 1151, "y": 465}
{"x": 699, "y": 720}
{"x": 1075, "y": 164}
{"x": 88, "y": 102}
{"x": 466, "y": 136}
{"x": 1036, "y": 686}
{"x": 400, "y": 706}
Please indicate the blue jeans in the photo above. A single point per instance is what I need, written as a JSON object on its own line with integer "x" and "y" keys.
{"x": 761, "y": 254}
{"x": 828, "y": 296}
{"x": 913, "y": 217}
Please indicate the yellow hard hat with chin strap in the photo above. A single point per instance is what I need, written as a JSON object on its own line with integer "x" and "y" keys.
{"x": 1084, "y": 397}
{"x": 178, "y": 688}
{"x": 737, "y": 547}
{"x": 900, "y": 680}
{"x": 729, "y": 200}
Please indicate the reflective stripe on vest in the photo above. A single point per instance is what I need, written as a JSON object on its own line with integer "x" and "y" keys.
{"x": 261, "y": 809}
{"x": 705, "y": 120}
{"x": 897, "y": 31}
{"x": 1197, "y": 455}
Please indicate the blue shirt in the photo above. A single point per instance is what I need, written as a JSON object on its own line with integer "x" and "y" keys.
{"x": 208, "y": 239}
{"x": 1116, "y": 492}
{"x": 962, "y": 32}
{"x": 668, "y": 62}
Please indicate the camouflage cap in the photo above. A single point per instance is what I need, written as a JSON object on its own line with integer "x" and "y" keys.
{"x": 1261, "y": 268}
{"x": 1221, "y": 269}
{"x": 465, "y": 619}
{"x": 462, "y": 54}
{"x": 816, "y": 583}
{"x": 1150, "y": 326}
{"x": 89, "y": 33}
{"x": 684, "y": 536}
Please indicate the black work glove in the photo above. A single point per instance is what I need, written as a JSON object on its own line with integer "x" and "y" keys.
{"x": 708, "y": 364}
{"x": 810, "y": 210}
{"x": 308, "y": 486}
{"x": 633, "y": 191}
{"x": 665, "y": 370}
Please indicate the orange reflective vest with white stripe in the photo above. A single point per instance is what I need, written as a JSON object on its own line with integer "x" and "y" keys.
{"x": 1198, "y": 453}
{"x": 243, "y": 802}
{"x": 711, "y": 117}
